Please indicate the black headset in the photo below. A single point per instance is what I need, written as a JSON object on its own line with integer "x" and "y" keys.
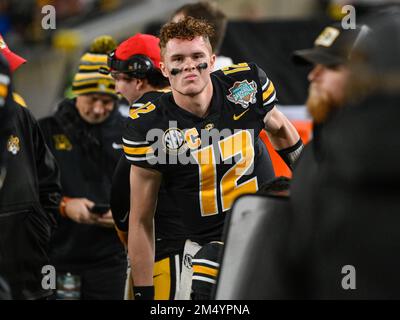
{"x": 136, "y": 66}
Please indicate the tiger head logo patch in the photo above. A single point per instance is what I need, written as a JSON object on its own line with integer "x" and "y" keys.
{"x": 61, "y": 142}
{"x": 13, "y": 144}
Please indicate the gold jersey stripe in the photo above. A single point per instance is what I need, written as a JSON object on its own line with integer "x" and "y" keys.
{"x": 205, "y": 270}
{"x": 162, "y": 279}
{"x": 237, "y": 70}
{"x": 233, "y": 66}
{"x": 138, "y": 150}
{"x": 269, "y": 91}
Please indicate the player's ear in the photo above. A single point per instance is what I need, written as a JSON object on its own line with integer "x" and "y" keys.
{"x": 140, "y": 84}
{"x": 163, "y": 69}
{"x": 212, "y": 61}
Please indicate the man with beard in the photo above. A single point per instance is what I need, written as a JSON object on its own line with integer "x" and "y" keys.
{"x": 327, "y": 92}
{"x": 344, "y": 227}
{"x": 355, "y": 219}
{"x": 329, "y": 80}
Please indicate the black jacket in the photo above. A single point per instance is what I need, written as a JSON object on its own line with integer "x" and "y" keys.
{"x": 31, "y": 190}
{"x": 346, "y": 206}
{"x": 357, "y": 209}
{"x": 87, "y": 155}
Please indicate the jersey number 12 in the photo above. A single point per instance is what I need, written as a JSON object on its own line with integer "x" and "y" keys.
{"x": 240, "y": 144}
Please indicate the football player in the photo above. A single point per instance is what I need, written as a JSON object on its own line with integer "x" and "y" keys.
{"x": 135, "y": 66}
{"x": 200, "y": 140}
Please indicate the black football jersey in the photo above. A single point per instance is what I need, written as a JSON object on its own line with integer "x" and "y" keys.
{"x": 206, "y": 162}
{"x": 169, "y": 230}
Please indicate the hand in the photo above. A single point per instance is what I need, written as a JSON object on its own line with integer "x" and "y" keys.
{"x": 105, "y": 220}
{"x": 78, "y": 210}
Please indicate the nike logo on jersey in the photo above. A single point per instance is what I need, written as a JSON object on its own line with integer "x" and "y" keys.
{"x": 116, "y": 145}
{"x": 237, "y": 117}
{"x": 123, "y": 220}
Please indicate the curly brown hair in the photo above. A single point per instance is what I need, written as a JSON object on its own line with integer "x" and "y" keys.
{"x": 186, "y": 29}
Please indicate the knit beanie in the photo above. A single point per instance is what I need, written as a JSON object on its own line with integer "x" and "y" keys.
{"x": 93, "y": 73}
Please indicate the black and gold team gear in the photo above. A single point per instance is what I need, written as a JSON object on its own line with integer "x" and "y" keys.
{"x": 166, "y": 277}
{"x": 168, "y": 225}
{"x": 27, "y": 208}
{"x": 29, "y": 195}
{"x": 169, "y": 232}
{"x": 88, "y": 79}
{"x": 205, "y": 190}
{"x": 73, "y": 141}
{"x": 205, "y": 270}
{"x": 87, "y": 155}
{"x": 93, "y": 73}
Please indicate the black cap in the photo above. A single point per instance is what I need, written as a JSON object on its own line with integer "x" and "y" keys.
{"x": 332, "y": 47}
{"x": 380, "y": 52}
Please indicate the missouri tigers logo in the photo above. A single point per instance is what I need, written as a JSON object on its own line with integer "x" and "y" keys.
{"x": 61, "y": 142}
{"x": 13, "y": 144}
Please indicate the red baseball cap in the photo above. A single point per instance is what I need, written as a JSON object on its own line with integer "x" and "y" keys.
{"x": 13, "y": 59}
{"x": 144, "y": 44}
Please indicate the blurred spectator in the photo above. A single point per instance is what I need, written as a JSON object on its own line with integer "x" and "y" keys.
{"x": 85, "y": 136}
{"x": 30, "y": 192}
{"x": 357, "y": 204}
{"x": 5, "y": 21}
{"x": 25, "y": 17}
{"x": 328, "y": 80}
{"x": 344, "y": 227}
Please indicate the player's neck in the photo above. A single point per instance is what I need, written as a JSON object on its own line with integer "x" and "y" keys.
{"x": 199, "y": 104}
{"x": 142, "y": 92}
